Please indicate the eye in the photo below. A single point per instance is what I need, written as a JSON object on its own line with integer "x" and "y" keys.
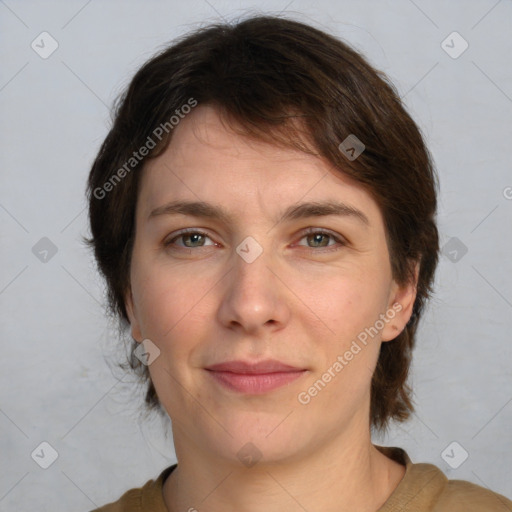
{"x": 191, "y": 239}
{"x": 320, "y": 239}
{"x": 317, "y": 240}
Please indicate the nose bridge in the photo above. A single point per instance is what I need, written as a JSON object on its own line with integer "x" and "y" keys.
{"x": 252, "y": 298}
{"x": 251, "y": 274}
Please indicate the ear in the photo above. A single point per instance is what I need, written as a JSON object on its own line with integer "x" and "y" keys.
{"x": 400, "y": 306}
{"x": 132, "y": 316}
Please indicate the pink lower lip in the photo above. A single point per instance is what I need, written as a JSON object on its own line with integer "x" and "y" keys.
{"x": 255, "y": 384}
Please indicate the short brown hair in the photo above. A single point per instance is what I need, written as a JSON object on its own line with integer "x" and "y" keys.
{"x": 264, "y": 73}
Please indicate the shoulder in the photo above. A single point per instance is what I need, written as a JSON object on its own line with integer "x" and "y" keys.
{"x": 433, "y": 491}
{"x": 469, "y": 497}
{"x": 425, "y": 488}
{"x": 149, "y": 497}
{"x": 130, "y": 501}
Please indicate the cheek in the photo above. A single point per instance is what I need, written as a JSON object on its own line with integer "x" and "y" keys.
{"x": 167, "y": 301}
{"x": 343, "y": 303}
{"x": 347, "y": 353}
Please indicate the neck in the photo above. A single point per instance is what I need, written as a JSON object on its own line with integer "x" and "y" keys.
{"x": 333, "y": 478}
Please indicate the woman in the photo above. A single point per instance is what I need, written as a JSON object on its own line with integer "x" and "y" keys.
{"x": 263, "y": 211}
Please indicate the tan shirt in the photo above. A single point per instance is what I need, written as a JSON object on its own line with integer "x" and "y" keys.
{"x": 424, "y": 488}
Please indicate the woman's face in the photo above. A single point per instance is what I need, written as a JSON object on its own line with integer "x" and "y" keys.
{"x": 255, "y": 284}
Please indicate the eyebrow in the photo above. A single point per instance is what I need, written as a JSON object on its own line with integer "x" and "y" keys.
{"x": 294, "y": 212}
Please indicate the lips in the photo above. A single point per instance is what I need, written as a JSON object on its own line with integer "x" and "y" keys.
{"x": 254, "y": 378}
{"x": 267, "y": 366}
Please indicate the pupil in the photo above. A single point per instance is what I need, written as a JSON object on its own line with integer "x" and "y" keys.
{"x": 194, "y": 238}
{"x": 318, "y": 237}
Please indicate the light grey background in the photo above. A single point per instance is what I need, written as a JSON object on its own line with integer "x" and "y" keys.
{"x": 58, "y": 348}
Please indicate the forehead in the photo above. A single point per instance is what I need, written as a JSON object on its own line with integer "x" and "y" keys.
{"x": 207, "y": 161}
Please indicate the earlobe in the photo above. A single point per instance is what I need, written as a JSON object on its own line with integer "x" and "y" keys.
{"x": 132, "y": 316}
{"x": 400, "y": 307}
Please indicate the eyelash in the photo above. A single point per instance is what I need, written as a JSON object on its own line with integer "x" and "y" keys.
{"x": 310, "y": 231}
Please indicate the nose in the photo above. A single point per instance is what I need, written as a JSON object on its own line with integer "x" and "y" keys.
{"x": 254, "y": 298}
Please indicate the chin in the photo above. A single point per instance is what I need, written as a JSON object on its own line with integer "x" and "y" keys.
{"x": 260, "y": 441}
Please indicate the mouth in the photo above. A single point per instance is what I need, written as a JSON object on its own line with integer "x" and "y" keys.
{"x": 254, "y": 378}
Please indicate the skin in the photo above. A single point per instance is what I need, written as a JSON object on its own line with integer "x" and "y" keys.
{"x": 302, "y": 301}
